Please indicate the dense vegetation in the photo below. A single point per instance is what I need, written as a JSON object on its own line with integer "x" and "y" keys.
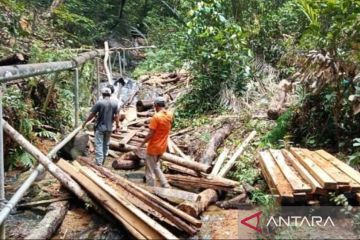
{"x": 312, "y": 43}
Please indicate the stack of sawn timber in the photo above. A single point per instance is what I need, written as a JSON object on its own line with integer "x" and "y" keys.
{"x": 129, "y": 203}
{"x": 300, "y": 175}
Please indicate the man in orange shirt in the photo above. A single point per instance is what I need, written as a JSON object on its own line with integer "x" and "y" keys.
{"x": 157, "y": 139}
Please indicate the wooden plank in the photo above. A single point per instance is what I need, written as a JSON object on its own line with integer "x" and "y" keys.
{"x": 296, "y": 183}
{"x": 351, "y": 172}
{"x": 138, "y": 213}
{"x": 219, "y": 161}
{"x": 320, "y": 175}
{"x": 241, "y": 148}
{"x": 108, "y": 203}
{"x": 316, "y": 187}
{"x": 128, "y": 137}
{"x": 340, "y": 177}
{"x": 279, "y": 180}
{"x": 268, "y": 179}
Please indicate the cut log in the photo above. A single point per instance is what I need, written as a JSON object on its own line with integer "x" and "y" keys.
{"x": 46, "y": 228}
{"x": 178, "y": 150}
{"x": 355, "y": 175}
{"x": 207, "y": 197}
{"x": 211, "y": 182}
{"x": 315, "y": 185}
{"x": 297, "y": 184}
{"x": 145, "y": 114}
{"x": 180, "y": 169}
{"x": 216, "y": 141}
{"x": 119, "y": 164}
{"x": 174, "y": 215}
{"x": 144, "y": 105}
{"x": 226, "y": 169}
{"x": 219, "y": 162}
{"x": 278, "y": 102}
{"x": 276, "y": 177}
{"x": 317, "y": 172}
{"x": 15, "y": 59}
{"x": 233, "y": 203}
{"x": 167, "y": 157}
{"x": 173, "y": 195}
{"x": 59, "y": 174}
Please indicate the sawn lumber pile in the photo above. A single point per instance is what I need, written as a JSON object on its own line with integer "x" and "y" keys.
{"x": 300, "y": 175}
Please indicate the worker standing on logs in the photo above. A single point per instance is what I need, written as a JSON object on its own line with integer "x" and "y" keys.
{"x": 106, "y": 110}
{"x": 157, "y": 139}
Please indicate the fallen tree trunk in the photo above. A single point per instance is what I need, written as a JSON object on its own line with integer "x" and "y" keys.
{"x": 181, "y": 169}
{"x": 278, "y": 102}
{"x": 52, "y": 220}
{"x": 194, "y": 209}
{"x": 233, "y": 203}
{"x": 167, "y": 157}
{"x": 59, "y": 174}
{"x": 216, "y": 140}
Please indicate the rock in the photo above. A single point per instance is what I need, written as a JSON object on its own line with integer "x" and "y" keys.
{"x": 75, "y": 148}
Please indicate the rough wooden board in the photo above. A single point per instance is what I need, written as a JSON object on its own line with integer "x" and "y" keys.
{"x": 268, "y": 179}
{"x": 316, "y": 187}
{"x": 219, "y": 161}
{"x": 111, "y": 204}
{"x": 340, "y": 177}
{"x": 150, "y": 223}
{"x": 296, "y": 183}
{"x": 128, "y": 137}
{"x": 317, "y": 172}
{"x": 282, "y": 185}
{"x": 355, "y": 175}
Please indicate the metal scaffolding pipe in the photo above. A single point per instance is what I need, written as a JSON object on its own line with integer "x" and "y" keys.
{"x": 38, "y": 170}
{"x": 8, "y": 73}
{"x": 2, "y": 172}
{"x": 76, "y": 96}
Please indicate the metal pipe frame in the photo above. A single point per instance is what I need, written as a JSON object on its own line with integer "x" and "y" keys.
{"x": 2, "y": 172}
{"x": 76, "y": 96}
{"x": 28, "y": 182}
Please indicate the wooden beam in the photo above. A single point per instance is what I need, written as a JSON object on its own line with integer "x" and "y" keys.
{"x": 226, "y": 169}
{"x": 279, "y": 180}
{"x": 351, "y": 172}
{"x": 219, "y": 161}
{"x": 319, "y": 174}
{"x": 297, "y": 184}
{"x": 340, "y": 177}
{"x": 173, "y": 195}
{"x": 149, "y": 225}
{"x": 127, "y": 137}
{"x": 316, "y": 187}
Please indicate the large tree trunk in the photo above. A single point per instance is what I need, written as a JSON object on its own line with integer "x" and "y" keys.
{"x": 215, "y": 142}
{"x": 52, "y": 220}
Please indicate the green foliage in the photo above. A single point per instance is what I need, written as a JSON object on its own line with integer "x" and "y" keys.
{"x": 280, "y": 131}
{"x": 20, "y": 159}
{"x": 218, "y": 55}
{"x": 354, "y": 159}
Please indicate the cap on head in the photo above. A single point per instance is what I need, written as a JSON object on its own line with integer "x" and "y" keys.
{"x": 106, "y": 91}
{"x": 111, "y": 87}
{"x": 160, "y": 101}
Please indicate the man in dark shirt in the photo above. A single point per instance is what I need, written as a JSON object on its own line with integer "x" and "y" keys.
{"x": 106, "y": 111}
